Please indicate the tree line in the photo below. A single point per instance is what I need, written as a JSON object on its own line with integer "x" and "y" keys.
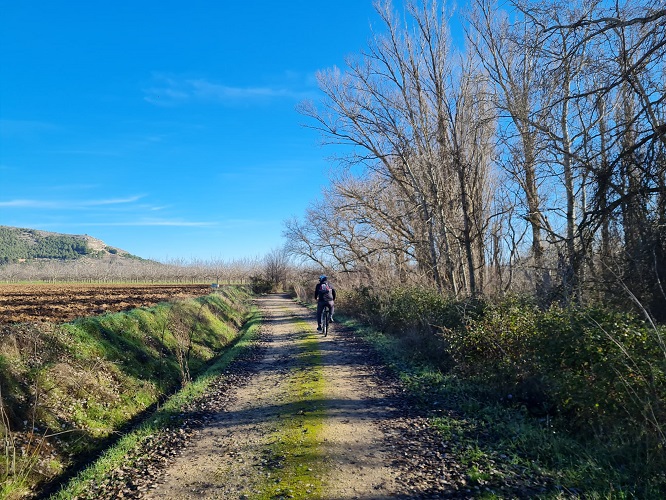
{"x": 531, "y": 160}
{"x": 116, "y": 268}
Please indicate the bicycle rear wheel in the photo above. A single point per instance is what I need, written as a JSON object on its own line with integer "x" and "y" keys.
{"x": 326, "y": 315}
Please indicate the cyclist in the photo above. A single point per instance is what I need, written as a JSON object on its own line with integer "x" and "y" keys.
{"x": 324, "y": 295}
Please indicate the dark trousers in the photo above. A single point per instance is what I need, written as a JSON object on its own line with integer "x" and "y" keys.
{"x": 320, "y": 308}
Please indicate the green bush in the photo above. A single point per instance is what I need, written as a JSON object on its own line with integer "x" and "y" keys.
{"x": 418, "y": 316}
{"x": 606, "y": 367}
{"x": 260, "y": 285}
{"x": 498, "y": 349}
{"x": 415, "y": 309}
{"x": 597, "y": 374}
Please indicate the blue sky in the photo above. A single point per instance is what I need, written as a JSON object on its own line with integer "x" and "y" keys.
{"x": 167, "y": 128}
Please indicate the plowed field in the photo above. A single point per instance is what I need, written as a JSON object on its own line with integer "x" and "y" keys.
{"x": 59, "y": 303}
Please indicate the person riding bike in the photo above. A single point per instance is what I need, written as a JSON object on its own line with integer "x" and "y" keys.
{"x": 324, "y": 295}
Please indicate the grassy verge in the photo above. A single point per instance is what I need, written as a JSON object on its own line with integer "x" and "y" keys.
{"x": 68, "y": 390}
{"x": 166, "y": 416}
{"x": 293, "y": 461}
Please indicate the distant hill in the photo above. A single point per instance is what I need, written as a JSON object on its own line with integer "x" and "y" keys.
{"x": 20, "y": 244}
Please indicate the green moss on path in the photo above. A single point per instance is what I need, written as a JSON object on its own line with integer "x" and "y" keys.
{"x": 294, "y": 462}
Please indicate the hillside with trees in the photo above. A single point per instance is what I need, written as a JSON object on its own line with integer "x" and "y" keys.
{"x": 33, "y": 255}
{"x": 21, "y": 244}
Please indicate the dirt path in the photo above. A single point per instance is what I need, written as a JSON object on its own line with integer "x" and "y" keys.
{"x": 319, "y": 387}
{"x": 302, "y": 416}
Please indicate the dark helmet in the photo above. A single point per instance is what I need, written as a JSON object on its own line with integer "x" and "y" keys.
{"x": 323, "y": 277}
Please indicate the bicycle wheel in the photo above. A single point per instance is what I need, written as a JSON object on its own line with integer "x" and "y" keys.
{"x": 326, "y": 314}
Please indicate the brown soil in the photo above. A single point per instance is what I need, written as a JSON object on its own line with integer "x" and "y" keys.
{"x": 58, "y": 303}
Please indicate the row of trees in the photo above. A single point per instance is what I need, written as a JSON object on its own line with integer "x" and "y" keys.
{"x": 120, "y": 269}
{"x": 533, "y": 160}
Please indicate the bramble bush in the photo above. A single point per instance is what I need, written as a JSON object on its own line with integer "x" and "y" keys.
{"x": 416, "y": 315}
{"x": 497, "y": 350}
{"x": 608, "y": 371}
{"x": 600, "y": 374}
{"x": 415, "y": 309}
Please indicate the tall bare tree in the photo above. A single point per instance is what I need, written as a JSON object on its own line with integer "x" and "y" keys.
{"x": 417, "y": 118}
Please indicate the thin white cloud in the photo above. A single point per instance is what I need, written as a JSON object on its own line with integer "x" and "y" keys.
{"x": 67, "y": 204}
{"x": 211, "y": 91}
{"x": 113, "y": 201}
{"x": 223, "y": 224}
{"x": 170, "y": 91}
{"x": 145, "y": 223}
{"x": 133, "y": 223}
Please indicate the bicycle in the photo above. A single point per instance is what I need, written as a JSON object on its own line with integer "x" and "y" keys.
{"x": 325, "y": 319}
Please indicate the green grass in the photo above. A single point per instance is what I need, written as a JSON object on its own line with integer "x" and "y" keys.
{"x": 293, "y": 460}
{"x": 80, "y": 383}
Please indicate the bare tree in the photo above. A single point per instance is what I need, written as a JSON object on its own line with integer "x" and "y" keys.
{"x": 581, "y": 86}
{"x": 509, "y": 51}
{"x": 420, "y": 123}
{"x": 276, "y": 268}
